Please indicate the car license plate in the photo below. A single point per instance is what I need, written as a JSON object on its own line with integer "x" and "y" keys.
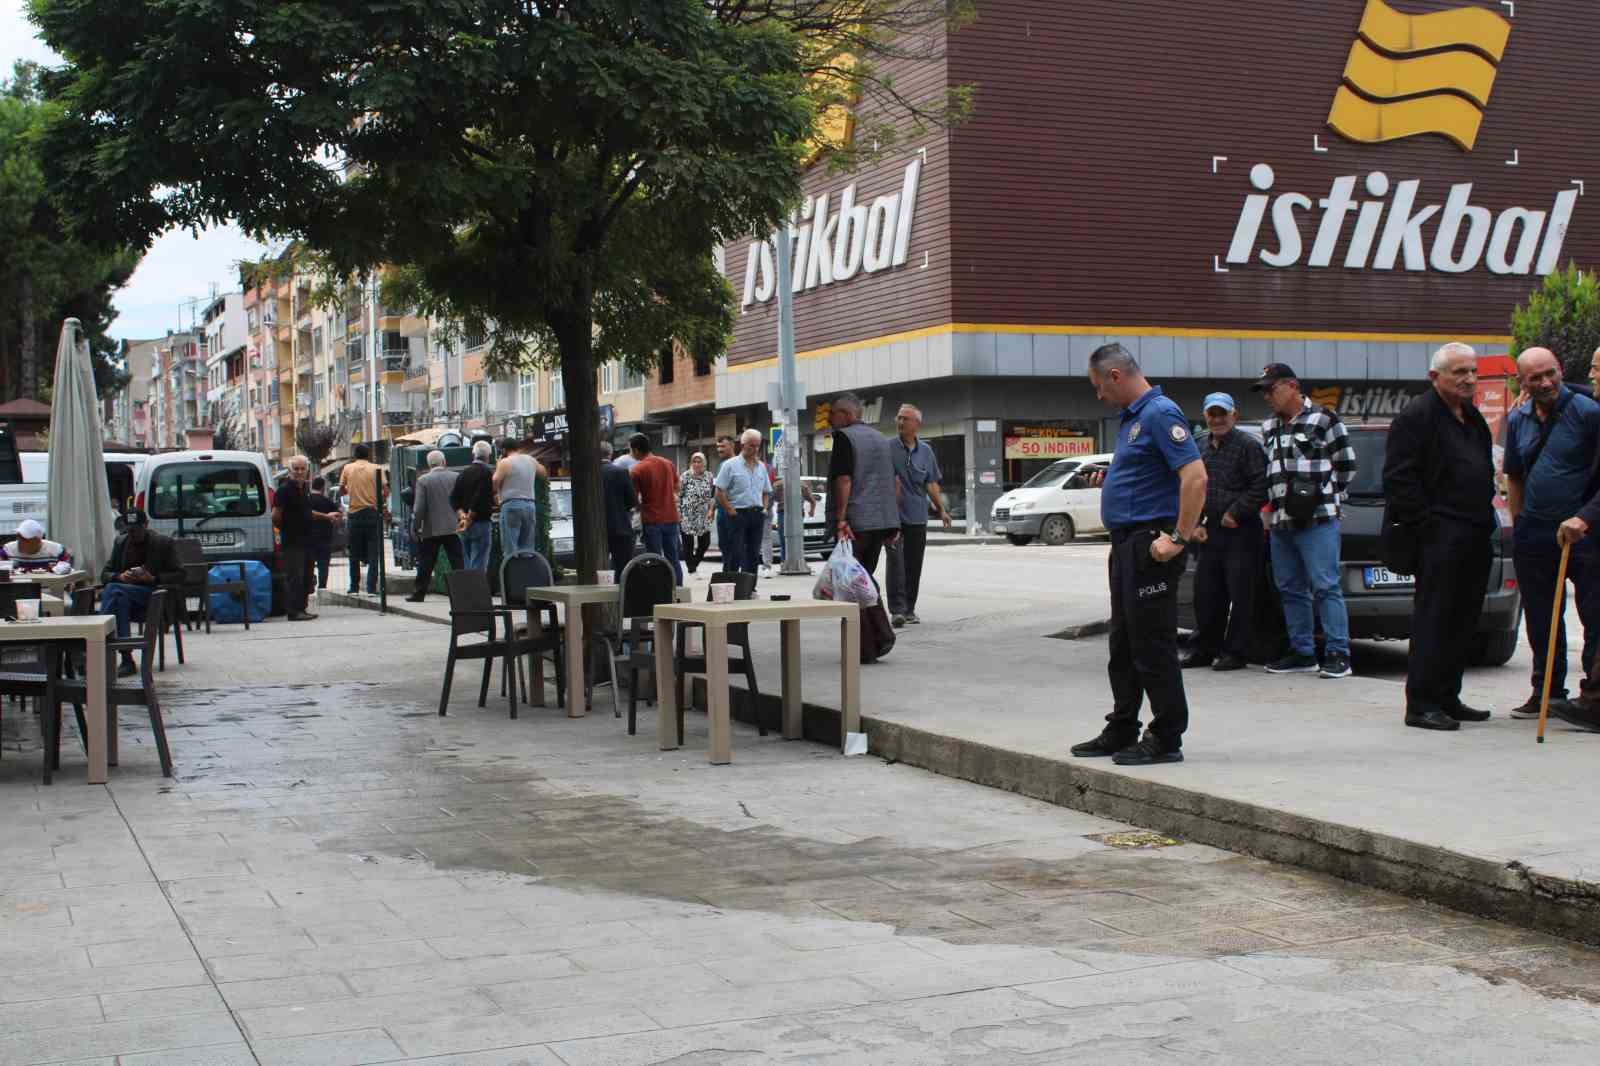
{"x": 999, "y": 527}
{"x": 216, "y": 540}
{"x": 1381, "y": 577}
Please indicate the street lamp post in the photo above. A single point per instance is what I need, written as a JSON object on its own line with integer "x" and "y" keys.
{"x": 787, "y": 409}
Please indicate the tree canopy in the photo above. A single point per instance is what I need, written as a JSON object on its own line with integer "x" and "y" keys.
{"x": 48, "y": 272}
{"x": 1563, "y": 314}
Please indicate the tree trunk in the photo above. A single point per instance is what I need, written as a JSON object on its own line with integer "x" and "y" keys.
{"x": 28, "y": 348}
{"x": 575, "y": 340}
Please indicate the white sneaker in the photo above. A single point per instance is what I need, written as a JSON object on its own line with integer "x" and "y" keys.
{"x": 766, "y": 571}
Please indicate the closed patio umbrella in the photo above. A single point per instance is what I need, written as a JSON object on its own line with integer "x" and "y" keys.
{"x": 80, "y": 500}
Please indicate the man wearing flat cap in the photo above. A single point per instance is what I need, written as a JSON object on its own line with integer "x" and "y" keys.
{"x": 1229, "y": 557}
{"x": 1310, "y": 464}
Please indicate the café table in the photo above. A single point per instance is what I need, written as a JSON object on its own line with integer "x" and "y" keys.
{"x": 94, "y": 630}
{"x": 59, "y": 584}
{"x": 716, "y": 618}
{"x": 572, "y": 599}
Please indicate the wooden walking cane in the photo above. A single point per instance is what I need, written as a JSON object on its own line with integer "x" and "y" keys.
{"x": 1550, "y": 647}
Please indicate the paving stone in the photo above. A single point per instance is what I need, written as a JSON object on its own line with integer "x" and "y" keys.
{"x": 306, "y": 1019}
{"x": 163, "y": 1002}
{"x": 117, "y": 1038}
{"x": 271, "y": 992}
{"x": 329, "y": 1049}
{"x": 509, "y": 1030}
{"x": 1133, "y": 986}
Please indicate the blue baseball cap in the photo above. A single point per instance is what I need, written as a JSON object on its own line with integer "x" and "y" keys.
{"x": 1217, "y": 399}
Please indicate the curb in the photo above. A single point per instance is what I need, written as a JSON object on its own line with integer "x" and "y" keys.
{"x": 1508, "y": 892}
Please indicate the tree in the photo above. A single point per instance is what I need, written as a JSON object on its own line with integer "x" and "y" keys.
{"x": 1563, "y": 315}
{"x": 317, "y": 440}
{"x": 47, "y": 274}
{"x": 553, "y": 173}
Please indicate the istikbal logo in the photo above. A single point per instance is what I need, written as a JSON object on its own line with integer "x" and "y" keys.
{"x": 1408, "y": 76}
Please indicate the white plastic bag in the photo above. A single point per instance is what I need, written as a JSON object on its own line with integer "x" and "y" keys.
{"x": 849, "y": 580}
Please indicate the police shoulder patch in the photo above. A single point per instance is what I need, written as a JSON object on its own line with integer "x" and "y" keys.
{"x": 1133, "y": 431}
{"x": 1179, "y": 434}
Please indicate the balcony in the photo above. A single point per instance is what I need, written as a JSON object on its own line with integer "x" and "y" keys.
{"x": 396, "y": 359}
{"x": 399, "y": 418}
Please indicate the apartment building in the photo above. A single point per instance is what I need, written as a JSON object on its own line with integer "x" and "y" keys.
{"x": 129, "y": 420}
{"x": 680, "y": 405}
{"x": 223, "y": 328}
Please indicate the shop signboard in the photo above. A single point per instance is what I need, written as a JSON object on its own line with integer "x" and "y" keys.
{"x": 1048, "y": 447}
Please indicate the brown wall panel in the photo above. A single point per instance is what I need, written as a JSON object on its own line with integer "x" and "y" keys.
{"x": 1084, "y": 192}
{"x": 868, "y": 305}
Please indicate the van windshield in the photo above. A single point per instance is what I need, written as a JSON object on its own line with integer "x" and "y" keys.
{"x": 207, "y": 490}
{"x": 1052, "y": 475}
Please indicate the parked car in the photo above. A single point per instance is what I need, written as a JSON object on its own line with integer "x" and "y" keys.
{"x": 1378, "y": 602}
{"x": 222, "y": 499}
{"x": 1055, "y": 505}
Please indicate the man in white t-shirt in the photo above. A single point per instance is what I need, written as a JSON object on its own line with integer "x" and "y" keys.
{"x": 31, "y": 551}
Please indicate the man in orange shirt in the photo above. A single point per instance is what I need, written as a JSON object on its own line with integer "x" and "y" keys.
{"x": 656, "y": 482}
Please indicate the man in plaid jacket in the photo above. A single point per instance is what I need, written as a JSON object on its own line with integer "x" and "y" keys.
{"x": 1310, "y": 464}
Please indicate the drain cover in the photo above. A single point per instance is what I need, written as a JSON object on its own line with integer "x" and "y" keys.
{"x": 1134, "y": 838}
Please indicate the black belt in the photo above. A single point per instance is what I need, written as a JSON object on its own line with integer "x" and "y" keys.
{"x": 747, "y": 510}
{"x": 1155, "y": 525}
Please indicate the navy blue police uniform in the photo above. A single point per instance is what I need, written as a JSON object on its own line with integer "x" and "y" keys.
{"x": 1139, "y": 502}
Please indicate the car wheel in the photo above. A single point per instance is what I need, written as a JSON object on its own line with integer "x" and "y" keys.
{"x": 1056, "y": 529}
{"x": 1018, "y": 539}
{"x": 1494, "y": 648}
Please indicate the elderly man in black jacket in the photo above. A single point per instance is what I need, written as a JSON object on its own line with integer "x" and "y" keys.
{"x": 1229, "y": 562}
{"x": 141, "y": 560}
{"x": 1438, "y": 479}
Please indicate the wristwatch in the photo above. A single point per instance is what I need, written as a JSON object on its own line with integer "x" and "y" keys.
{"x": 1177, "y": 538}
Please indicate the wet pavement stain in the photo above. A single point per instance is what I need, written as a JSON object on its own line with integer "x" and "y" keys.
{"x": 463, "y": 805}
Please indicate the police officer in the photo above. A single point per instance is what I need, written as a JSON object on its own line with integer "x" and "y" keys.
{"x": 1151, "y": 502}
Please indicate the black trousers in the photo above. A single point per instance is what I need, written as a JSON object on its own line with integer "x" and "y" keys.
{"x": 428, "y": 556}
{"x": 905, "y": 568}
{"x": 296, "y": 569}
{"x": 1226, "y": 572}
{"x": 317, "y": 556}
{"x": 620, "y": 545}
{"x": 868, "y": 547}
{"x": 695, "y": 546}
{"x": 1538, "y": 559}
{"x": 366, "y": 541}
{"x": 1451, "y": 579}
{"x": 1144, "y": 640}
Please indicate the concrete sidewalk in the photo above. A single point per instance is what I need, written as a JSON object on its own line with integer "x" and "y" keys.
{"x": 1320, "y": 773}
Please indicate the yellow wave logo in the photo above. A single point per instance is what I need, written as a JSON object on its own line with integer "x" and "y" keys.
{"x": 1414, "y": 74}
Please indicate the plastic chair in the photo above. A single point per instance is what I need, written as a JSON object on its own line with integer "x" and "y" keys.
{"x": 473, "y": 612}
{"x": 647, "y": 581}
{"x": 518, "y": 573}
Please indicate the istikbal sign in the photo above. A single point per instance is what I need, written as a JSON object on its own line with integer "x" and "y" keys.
{"x": 835, "y": 246}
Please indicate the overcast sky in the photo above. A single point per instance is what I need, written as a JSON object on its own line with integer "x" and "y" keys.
{"x": 179, "y": 268}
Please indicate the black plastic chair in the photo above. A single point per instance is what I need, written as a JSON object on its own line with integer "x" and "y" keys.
{"x": 518, "y": 573}
{"x": 744, "y": 588}
{"x": 647, "y": 581}
{"x": 195, "y": 586}
{"x": 119, "y": 692}
{"x": 473, "y": 612}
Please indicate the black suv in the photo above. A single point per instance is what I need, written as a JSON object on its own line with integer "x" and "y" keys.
{"x": 1378, "y": 602}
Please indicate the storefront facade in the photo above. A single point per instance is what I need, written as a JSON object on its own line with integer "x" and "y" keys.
{"x": 1214, "y": 186}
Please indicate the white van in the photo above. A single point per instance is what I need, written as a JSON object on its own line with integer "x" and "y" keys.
{"x": 221, "y": 499}
{"x": 1054, "y": 505}
{"x": 30, "y": 497}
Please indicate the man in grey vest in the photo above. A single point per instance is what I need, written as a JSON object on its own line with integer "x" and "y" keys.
{"x": 863, "y": 504}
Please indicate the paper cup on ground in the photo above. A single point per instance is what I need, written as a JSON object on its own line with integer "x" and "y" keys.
{"x": 855, "y": 743}
{"x": 27, "y": 610}
{"x": 722, "y": 592}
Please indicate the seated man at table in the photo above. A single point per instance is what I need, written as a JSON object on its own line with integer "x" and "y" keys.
{"x": 141, "y": 560}
{"x": 30, "y": 551}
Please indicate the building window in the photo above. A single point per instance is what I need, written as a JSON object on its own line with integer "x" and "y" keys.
{"x": 476, "y": 339}
{"x": 606, "y": 378}
{"x": 702, "y": 365}
{"x": 631, "y": 379}
{"x": 316, "y": 342}
{"x": 664, "y": 362}
{"x": 455, "y": 398}
{"x": 558, "y": 391}
{"x": 252, "y": 319}
{"x": 527, "y": 395}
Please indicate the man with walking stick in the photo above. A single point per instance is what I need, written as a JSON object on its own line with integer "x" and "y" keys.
{"x": 1439, "y": 480}
{"x": 1550, "y": 443}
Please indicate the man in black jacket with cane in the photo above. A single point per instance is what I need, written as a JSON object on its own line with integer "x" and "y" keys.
{"x": 1438, "y": 478}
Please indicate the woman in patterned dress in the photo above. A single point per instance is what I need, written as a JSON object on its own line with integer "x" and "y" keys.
{"x": 696, "y": 502}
